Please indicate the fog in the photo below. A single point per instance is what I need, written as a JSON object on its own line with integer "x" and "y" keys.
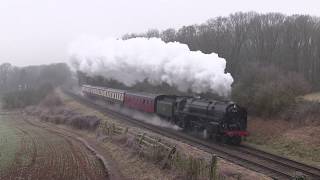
{"x": 39, "y": 31}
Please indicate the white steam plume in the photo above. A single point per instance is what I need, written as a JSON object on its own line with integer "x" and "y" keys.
{"x": 134, "y": 60}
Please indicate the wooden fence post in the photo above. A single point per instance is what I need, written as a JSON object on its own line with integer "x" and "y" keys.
{"x": 113, "y": 128}
{"x": 169, "y": 157}
{"x": 213, "y": 168}
{"x": 141, "y": 138}
{"x": 126, "y": 130}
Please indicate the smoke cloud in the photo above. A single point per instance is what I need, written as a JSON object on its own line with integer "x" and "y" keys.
{"x": 134, "y": 60}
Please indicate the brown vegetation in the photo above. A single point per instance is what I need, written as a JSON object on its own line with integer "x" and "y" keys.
{"x": 61, "y": 115}
{"x": 306, "y": 113}
{"x": 51, "y": 109}
{"x": 296, "y": 139}
{"x": 266, "y": 90}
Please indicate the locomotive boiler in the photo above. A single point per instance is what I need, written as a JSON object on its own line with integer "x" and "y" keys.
{"x": 222, "y": 120}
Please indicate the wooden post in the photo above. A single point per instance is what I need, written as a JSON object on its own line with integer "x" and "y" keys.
{"x": 213, "y": 168}
{"x": 113, "y": 128}
{"x": 141, "y": 138}
{"x": 126, "y": 130}
{"x": 108, "y": 128}
{"x": 169, "y": 157}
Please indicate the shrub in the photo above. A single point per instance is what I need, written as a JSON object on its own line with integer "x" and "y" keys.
{"x": 267, "y": 90}
{"x": 51, "y": 100}
{"x": 84, "y": 122}
{"x": 304, "y": 112}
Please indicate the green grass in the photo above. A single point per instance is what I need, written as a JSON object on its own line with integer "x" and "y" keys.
{"x": 8, "y": 143}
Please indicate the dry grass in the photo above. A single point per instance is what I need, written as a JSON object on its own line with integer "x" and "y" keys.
{"x": 312, "y": 97}
{"x": 285, "y": 138}
{"x": 51, "y": 100}
{"x": 263, "y": 130}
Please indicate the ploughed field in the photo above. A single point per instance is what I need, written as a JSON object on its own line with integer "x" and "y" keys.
{"x": 31, "y": 152}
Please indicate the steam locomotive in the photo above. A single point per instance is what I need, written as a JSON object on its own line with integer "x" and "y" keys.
{"x": 223, "y": 121}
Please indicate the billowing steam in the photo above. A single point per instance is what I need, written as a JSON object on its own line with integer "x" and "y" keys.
{"x": 134, "y": 60}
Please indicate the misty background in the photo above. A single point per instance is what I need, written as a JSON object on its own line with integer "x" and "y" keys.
{"x": 273, "y": 58}
{"x": 39, "y": 31}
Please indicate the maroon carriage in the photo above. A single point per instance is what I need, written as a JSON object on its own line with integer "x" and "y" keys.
{"x": 140, "y": 101}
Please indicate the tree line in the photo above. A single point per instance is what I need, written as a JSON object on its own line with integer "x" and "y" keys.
{"x": 289, "y": 42}
{"x": 24, "y": 86}
{"x": 272, "y": 57}
{"x": 13, "y": 78}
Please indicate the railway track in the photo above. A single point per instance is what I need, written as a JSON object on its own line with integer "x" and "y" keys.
{"x": 269, "y": 164}
{"x": 294, "y": 165}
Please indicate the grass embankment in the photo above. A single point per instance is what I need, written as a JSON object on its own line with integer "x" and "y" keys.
{"x": 289, "y": 139}
{"x": 294, "y": 133}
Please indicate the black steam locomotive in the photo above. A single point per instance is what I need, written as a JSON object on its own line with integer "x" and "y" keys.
{"x": 221, "y": 120}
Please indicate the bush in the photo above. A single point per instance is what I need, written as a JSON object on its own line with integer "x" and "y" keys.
{"x": 304, "y": 112}
{"x": 51, "y": 100}
{"x": 266, "y": 90}
{"x": 84, "y": 122}
{"x": 62, "y": 115}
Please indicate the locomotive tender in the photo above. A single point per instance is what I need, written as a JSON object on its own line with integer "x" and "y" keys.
{"x": 221, "y": 120}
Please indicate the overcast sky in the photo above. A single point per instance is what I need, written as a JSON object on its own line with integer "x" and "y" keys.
{"x": 39, "y": 31}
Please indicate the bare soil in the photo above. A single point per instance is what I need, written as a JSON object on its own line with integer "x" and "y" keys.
{"x": 45, "y": 154}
